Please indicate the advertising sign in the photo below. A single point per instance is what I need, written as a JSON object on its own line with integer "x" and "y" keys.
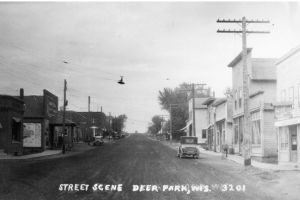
{"x": 51, "y": 104}
{"x": 32, "y": 135}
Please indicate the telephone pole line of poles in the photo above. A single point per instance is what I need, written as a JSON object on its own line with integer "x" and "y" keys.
{"x": 171, "y": 129}
{"x": 192, "y": 90}
{"x": 64, "y": 118}
{"x": 246, "y": 124}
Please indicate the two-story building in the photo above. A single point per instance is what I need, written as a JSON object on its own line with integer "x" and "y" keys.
{"x": 288, "y": 107}
{"x": 200, "y": 114}
{"x": 219, "y": 123}
{"x": 210, "y": 123}
{"x": 262, "y": 91}
{"x": 200, "y": 119}
{"x": 223, "y": 122}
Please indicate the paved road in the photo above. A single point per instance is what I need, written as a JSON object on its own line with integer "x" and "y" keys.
{"x": 136, "y": 160}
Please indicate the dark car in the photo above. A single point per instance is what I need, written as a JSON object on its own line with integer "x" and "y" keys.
{"x": 188, "y": 147}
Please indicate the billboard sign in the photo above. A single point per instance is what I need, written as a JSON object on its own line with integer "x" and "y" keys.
{"x": 50, "y": 104}
{"x": 32, "y": 136}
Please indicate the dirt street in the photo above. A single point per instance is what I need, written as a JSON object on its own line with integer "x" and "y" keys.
{"x": 131, "y": 164}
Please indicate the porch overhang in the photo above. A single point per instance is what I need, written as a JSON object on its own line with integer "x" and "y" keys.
{"x": 288, "y": 122}
{"x": 186, "y": 127}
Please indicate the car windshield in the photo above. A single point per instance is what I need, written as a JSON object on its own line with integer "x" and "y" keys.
{"x": 188, "y": 140}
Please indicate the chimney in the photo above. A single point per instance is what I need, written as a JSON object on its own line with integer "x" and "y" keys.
{"x": 22, "y": 93}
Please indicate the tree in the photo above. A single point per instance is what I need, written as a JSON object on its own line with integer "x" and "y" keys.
{"x": 156, "y": 125}
{"x": 177, "y": 98}
{"x": 118, "y": 123}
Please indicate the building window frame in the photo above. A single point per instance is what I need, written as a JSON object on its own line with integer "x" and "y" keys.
{"x": 204, "y": 134}
{"x": 256, "y": 128}
{"x": 283, "y": 138}
{"x": 235, "y": 131}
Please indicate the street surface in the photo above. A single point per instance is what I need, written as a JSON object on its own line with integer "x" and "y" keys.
{"x": 136, "y": 160}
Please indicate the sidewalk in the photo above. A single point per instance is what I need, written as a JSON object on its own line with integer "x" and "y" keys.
{"x": 239, "y": 159}
{"x": 77, "y": 148}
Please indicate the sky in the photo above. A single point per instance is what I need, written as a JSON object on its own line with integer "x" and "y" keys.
{"x": 152, "y": 44}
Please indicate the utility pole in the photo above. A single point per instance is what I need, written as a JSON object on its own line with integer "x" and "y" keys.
{"x": 194, "y": 121}
{"x": 171, "y": 136}
{"x": 64, "y": 118}
{"x": 192, "y": 90}
{"x": 89, "y": 122}
{"x": 246, "y": 124}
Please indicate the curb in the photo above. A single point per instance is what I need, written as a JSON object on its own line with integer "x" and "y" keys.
{"x": 240, "y": 160}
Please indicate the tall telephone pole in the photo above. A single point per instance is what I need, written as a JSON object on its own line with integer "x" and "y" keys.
{"x": 192, "y": 90}
{"x": 89, "y": 122}
{"x": 64, "y": 118}
{"x": 246, "y": 124}
{"x": 171, "y": 130}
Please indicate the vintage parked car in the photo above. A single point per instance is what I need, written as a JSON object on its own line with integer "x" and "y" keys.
{"x": 188, "y": 147}
{"x": 98, "y": 140}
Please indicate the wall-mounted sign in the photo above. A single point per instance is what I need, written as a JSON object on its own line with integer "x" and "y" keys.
{"x": 32, "y": 136}
{"x": 51, "y": 104}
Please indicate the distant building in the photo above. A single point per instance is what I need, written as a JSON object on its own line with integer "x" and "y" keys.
{"x": 88, "y": 124}
{"x": 200, "y": 115}
{"x": 262, "y": 91}
{"x": 219, "y": 126}
{"x": 288, "y": 108}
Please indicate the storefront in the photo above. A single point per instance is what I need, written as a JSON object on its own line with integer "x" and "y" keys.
{"x": 39, "y": 112}
{"x": 57, "y": 137}
{"x": 288, "y": 139}
{"x": 11, "y": 131}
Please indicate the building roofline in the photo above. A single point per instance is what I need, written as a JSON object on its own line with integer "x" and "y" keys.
{"x": 288, "y": 54}
{"x": 256, "y": 93}
{"x": 219, "y": 101}
{"x": 238, "y": 58}
{"x": 208, "y": 101}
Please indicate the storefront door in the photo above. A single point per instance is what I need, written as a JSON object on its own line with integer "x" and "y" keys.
{"x": 293, "y": 143}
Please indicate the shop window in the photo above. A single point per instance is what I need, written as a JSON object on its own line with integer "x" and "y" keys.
{"x": 235, "y": 100}
{"x": 240, "y": 98}
{"x": 255, "y": 128}
{"x": 283, "y": 136}
{"x": 241, "y": 129}
{"x": 203, "y": 133}
{"x": 16, "y": 129}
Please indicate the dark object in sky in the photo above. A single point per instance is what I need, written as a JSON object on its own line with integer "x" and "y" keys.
{"x": 121, "y": 81}
{"x": 65, "y": 62}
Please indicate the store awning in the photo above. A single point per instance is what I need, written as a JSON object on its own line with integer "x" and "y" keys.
{"x": 186, "y": 127}
{"x": 288, "y": 122}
